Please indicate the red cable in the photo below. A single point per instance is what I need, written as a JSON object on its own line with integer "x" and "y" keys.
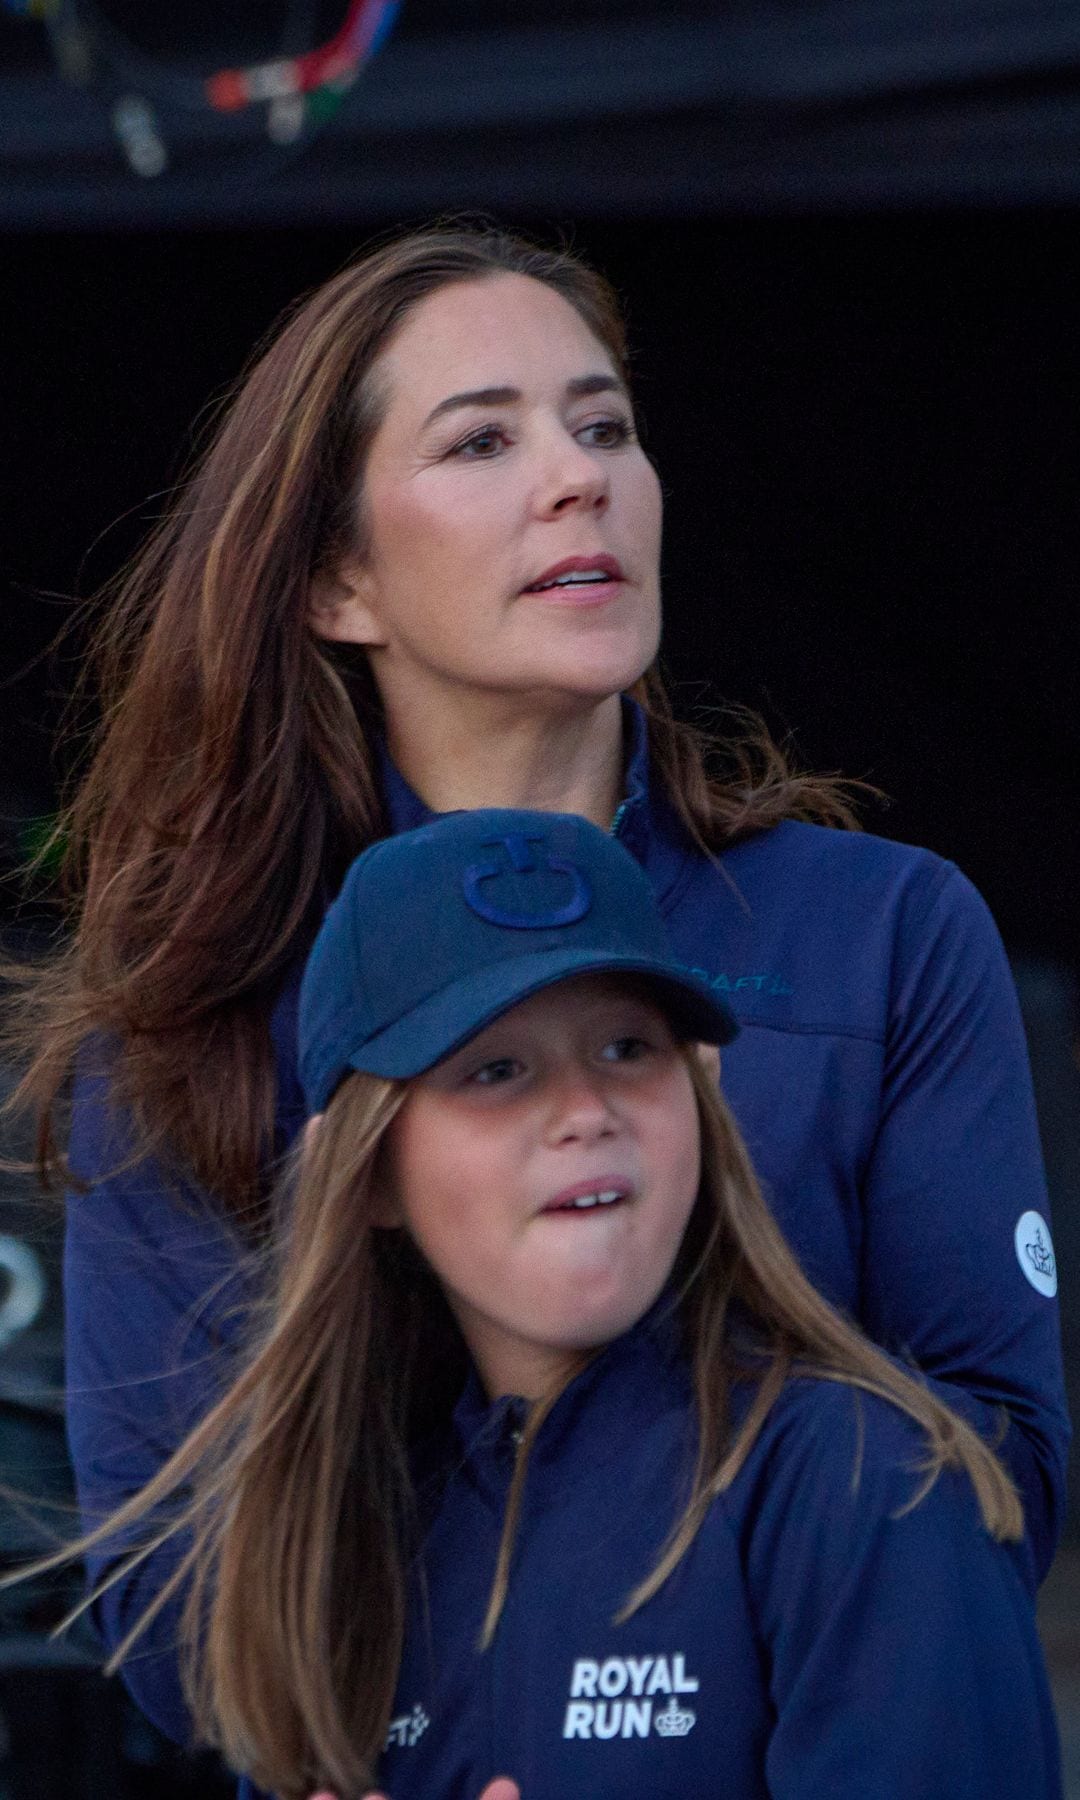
{"x": 309, "y": 68}
{"x": 231, "y": 89}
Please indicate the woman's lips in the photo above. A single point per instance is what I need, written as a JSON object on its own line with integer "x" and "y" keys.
{"x": 598, "y": 593}
{"x": 579, "y": 578}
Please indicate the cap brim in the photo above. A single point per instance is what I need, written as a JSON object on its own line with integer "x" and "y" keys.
{"x": 448, "y": 1019}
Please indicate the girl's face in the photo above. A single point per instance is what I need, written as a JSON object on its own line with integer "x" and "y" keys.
{"x": 547, "y": 1171}
{"x": 506, "y": 455}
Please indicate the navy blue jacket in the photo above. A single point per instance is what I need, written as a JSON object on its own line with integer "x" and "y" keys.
{"x": 821, "y": 1637}
{"x": 880, "y": 1080}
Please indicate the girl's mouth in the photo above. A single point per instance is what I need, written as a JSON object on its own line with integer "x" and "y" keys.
{"x": 582, "y": 1197}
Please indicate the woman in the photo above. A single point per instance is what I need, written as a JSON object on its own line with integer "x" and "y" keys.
{"x": 418, "y": 571}
{"x": 545, "y": 1456}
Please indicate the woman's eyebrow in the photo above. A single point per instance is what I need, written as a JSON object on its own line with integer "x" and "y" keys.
{"x": 577, "y": 389}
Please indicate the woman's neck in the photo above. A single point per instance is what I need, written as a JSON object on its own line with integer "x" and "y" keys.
{"x": 570, "y": 761}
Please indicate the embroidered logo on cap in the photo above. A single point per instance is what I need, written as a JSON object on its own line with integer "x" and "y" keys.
{"x": 523, "y": 861}
{"x": 1035, "y": 1253}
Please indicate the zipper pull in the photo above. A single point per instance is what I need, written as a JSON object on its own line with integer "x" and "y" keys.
{"x": 514, "y": 1421}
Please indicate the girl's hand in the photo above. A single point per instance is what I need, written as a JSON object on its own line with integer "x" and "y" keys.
{"x": 499, "y": 1789}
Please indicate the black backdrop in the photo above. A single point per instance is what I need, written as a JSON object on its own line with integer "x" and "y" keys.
{"x": 867, "y": 431}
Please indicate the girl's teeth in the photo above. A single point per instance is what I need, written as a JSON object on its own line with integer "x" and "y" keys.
{"x": 605, "y": 1199}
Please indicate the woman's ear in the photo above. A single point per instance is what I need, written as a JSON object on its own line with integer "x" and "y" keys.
{"x": 343, "y": 607}
{"x": 708, "y": 1056}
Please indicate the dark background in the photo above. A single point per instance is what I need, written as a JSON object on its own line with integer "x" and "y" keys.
{"x": 867, "y": 427}
{"x": 846, "y": 234}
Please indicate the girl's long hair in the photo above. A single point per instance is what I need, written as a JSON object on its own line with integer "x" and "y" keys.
{"x": 295, "y": 1496}
{"x": 233, "y": 776}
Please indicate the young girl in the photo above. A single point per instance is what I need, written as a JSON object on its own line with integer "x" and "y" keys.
{"x": 546, "y": 1461}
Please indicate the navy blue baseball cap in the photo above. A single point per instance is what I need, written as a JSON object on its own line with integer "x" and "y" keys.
{"x": 440, "y": 930}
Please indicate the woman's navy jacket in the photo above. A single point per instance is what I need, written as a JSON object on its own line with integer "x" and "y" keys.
{"x": 880, "y": 1080}
{"x": 822, "y": 1639}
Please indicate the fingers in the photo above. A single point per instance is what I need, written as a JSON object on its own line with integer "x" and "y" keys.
{"x": 500, "y": 1789}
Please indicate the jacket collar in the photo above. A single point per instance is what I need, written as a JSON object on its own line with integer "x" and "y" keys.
{"x": 598, "y": 1414}
{"x": 645, "y": 822}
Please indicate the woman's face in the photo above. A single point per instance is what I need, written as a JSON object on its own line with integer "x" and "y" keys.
{"x": 511, "y": 519}
{"x": 547, "y": 1172}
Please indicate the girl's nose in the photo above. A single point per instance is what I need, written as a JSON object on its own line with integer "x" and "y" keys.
{"x": 581, "y": 1109}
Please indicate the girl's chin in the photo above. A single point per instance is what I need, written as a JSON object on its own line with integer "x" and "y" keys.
{"x": 593, "y": 1327}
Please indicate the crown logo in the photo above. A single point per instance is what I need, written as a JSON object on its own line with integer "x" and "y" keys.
{"x": 674, "y": 1721}
{"x": 1040, "y": 1255}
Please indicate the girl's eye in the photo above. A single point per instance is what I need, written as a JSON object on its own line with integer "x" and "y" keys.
{"x": 494, "y": 1073}
{"x": 625, "y": 1049}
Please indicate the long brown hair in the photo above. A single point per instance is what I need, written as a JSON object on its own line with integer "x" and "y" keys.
{"x": 296, "y": 1490}
{"x": 233, "y": 777}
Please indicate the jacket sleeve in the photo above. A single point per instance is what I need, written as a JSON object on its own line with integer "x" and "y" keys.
{"x": 900, "y": 1640}
{"x": 954, "y": 1180}
{"x": 155, "y": 1288}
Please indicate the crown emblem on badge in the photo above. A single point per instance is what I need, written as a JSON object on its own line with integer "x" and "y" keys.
{"x": 1041, "y": 1257}
{"x": 674, "y": 1720}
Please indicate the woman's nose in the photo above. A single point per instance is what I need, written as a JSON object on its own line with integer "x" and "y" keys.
{"x": 572, "y": 478}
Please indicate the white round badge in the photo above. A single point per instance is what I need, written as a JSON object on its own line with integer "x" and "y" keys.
{"x": 1035, "y": 1253}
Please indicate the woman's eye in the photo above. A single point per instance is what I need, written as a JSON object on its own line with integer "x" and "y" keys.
{"x": 494, "y": 1073}
{"x": 607, "y": 434}
{"x": 480, "y": 445}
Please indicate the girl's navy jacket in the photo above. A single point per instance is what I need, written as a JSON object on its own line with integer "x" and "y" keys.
{"x": 822, "y": 1639}
{"x": 881, "y": 1083}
